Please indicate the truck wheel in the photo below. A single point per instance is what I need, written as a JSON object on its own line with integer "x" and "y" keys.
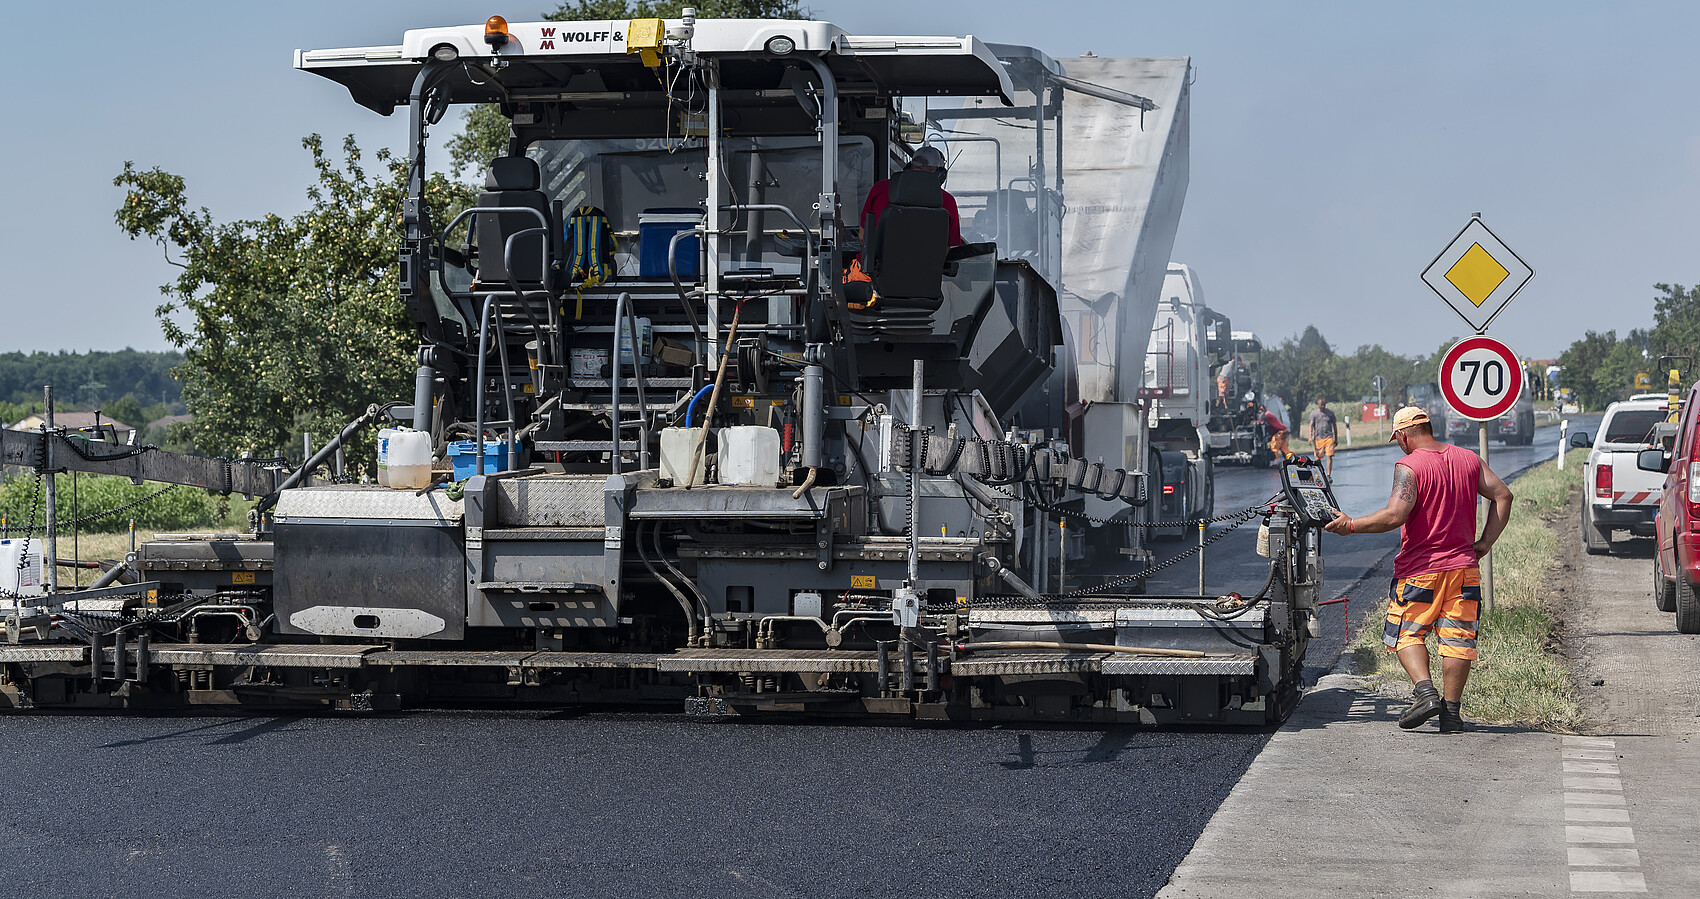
{"x": 1687, "y": 608}
{"x": 1595, "y": 541}
{"x": 1664, "y": 592}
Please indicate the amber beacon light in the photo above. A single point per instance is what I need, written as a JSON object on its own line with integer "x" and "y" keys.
{"x": 496, "y": 31}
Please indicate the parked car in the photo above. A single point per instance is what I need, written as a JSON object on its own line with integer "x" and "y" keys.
{"x": 1676, "y": 528}
{"x": 1620, "y": 495}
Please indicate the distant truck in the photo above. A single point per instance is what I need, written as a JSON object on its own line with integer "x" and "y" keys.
{"x": 1515, "y": 428}
{"x": 1620, "y": 495}
{"x": 1426, "y": 397}
{"x": 1189, "y": 344}
{"x": 1235, "y": 420}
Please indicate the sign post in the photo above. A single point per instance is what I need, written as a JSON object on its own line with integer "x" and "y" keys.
{"x": 1477, "y": 275}
{"x": 1379, "y": 382}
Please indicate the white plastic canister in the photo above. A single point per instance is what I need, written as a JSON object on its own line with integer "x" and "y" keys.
{"x": 677, "y": 445}
{"x": 749, "y": 456}
{"x": 384, "y": 436}
{"x": 24, "y": 579}
{"x": 409, "y": 459}
{"x": 646, "y": 341}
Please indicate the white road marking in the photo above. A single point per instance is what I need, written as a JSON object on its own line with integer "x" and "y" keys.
{"x": 1592, "y": 799}
{"x": 1607, "y": 882}
{"x": 1589, "y": 857}
{"x": 1582, "y": 833}
{"x": 1598, "y": 802}
{"x": 1597, "y": 815}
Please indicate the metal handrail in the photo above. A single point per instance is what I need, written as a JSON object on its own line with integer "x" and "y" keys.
{"x": 543, "y": 221}
{"x": 809, "y": 262}
{"x": 507, "y": 390}
{"x": 623, "y": 308}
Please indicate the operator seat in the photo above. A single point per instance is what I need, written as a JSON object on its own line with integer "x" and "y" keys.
{"x": 905, "y": 254}
{"x": 908, "y": 241}
{"x": 511, "y": 181}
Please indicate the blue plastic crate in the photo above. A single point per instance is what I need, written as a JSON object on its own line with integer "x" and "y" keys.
{"x": 464, "y": 458}
{"x": 656, "y": 228}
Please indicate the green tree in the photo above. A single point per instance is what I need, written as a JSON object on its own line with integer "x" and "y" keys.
{"x": 127, "y": 409}
{"x": 147, "y": 376}
{"x": 1676, "y": 323}
{"x": 1354, "y": 375}
{"x": 484, "y": 131}
{"x": 1614, "y": 378}
{"x": 1582, "y": 361}
{"x": 1299, "y": 369}
{"x": 287, "y": 319}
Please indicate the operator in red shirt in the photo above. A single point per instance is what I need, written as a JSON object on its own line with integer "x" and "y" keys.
{"x": 1436, "y": 571}
{"x": 1277, "y": 434}
{"x": 926, "y": 159}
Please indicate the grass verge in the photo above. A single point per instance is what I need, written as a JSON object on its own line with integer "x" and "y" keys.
{"x": 1520, "y": 678}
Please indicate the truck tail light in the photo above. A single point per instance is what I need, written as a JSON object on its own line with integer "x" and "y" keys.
{"x": 1602, "y": 481}
{"x": 1694, "y": 485}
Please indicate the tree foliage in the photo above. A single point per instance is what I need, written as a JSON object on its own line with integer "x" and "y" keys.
{"x": 1676, "y": 322}
{"x": 1301, "y": 368}
{"x": 1583, "y": 362}
{"x": 286, "y": 323}
{"x": 1601, "y": 368}
{"x": 89, "y": 379}
{"x": 484, "y": 131}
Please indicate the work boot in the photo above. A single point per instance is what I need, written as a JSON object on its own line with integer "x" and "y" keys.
{"x": 1424, "y": 705}
{"x": 1451, "y": 718}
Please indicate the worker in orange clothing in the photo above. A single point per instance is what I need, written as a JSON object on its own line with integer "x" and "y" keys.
{"x": 1277, "y": 434}
{"x": 1322, "y": 433}
{"x": 1436, "y": 575}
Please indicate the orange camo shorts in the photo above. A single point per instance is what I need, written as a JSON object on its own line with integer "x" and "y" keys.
{"x": 1446, "y": 602}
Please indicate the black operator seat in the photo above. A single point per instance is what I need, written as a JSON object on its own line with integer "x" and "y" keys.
{"x": 512, "y": 181}
{"x": 908, "y": 241}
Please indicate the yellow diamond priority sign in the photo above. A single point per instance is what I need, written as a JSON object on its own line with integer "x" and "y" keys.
{"x": 1477, "y": 274}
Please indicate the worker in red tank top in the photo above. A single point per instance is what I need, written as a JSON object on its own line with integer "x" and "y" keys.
{"x": 1437, "y": 584}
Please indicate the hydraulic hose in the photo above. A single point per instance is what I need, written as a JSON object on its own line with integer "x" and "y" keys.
{"x": 693, "y": 403}
{"x": 673, "y": 270}
{"x": 684, "y": 604}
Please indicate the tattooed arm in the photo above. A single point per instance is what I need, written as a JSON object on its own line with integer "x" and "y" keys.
{"x": 1398, "y": 508}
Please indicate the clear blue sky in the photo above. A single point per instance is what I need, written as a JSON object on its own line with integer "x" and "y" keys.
{"x": 1336, "y": 147}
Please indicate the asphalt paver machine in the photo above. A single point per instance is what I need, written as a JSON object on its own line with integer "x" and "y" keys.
{"x": 703, "y": 436}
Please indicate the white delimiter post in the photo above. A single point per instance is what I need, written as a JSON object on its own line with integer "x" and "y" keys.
{"x": 1487, "y": 560}
{"x": 1563, "y": 435}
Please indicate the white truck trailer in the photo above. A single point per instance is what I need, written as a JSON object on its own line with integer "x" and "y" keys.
{"x": 1189, "y": 344}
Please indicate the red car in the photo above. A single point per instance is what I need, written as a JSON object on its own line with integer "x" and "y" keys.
{"x": 1676, "y": 525}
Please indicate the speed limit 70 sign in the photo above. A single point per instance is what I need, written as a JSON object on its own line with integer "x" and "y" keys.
{"x": 1481, "y": 378}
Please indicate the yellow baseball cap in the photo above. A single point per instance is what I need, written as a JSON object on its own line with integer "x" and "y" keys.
{"x": 1404, "y": 418}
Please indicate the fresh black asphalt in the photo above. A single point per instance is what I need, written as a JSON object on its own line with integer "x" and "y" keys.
{"x": 452, "y": 803}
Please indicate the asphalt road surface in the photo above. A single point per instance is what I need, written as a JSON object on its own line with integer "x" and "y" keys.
{"x": 562, "y": 804}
